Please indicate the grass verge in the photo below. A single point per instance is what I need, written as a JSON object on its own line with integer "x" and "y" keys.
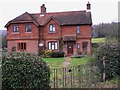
{"x": 98, "y": 40}
{"x": 81, "y": 61}
{"x": 54, "y": 62}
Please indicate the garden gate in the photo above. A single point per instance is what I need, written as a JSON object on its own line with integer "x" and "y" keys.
{"x": 83, "y": 76}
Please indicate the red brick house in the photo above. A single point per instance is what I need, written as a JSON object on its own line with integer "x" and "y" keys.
{"x": 61, "y": 31}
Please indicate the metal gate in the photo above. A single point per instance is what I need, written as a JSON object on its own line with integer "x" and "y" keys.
{"x": 83, "y": 76}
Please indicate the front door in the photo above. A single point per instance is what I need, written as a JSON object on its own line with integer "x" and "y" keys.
{"x": 70, "y": 47}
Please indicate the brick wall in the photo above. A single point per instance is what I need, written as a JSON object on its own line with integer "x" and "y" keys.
{"x": 30, "y": 38}
{"x": 56, "y": 35}
{"x": 31, "y": 45}
{"x": 22, "y": 34}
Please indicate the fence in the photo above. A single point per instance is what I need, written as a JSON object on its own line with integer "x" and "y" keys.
{"x": 83, "y": 76}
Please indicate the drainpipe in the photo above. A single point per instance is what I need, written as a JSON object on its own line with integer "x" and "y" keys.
{"x": 44, "y": 46}
{"x": 38, "y": 40}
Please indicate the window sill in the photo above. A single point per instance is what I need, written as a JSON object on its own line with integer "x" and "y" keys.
{"x": 15, "y": 32}
{"x": 52, "y": 32}
{"x": 28, "y": 32}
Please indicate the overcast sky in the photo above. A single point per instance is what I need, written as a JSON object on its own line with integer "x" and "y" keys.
{"x": 103, "y": 11}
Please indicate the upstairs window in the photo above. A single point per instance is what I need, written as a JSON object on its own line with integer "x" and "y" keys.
{"x": 22, "y": 46}
{"x": 15, "y": 28}
{"x": 52, "y": 45}
{"x": 78, "y": 30}
{"x": 28, "y": 28}
{"x": 52, "y": 28}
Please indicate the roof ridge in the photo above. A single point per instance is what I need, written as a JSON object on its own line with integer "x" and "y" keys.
{"x": 20, "y": 15}
{"x": 68, "y": 11}
{"x": 60, "y": 12}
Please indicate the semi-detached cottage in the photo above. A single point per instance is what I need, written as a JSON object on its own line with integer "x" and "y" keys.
{"x": 60, "y": 31}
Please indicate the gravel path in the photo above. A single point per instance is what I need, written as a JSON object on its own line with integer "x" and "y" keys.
{"x": 66, "y": 62}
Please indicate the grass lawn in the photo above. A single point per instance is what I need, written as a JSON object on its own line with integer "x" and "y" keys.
{"x": 81, "y": 61}
{"x": 54, "y": 62}
{"x": 98, "y": 40}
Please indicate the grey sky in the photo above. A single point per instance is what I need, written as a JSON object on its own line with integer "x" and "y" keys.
{"x": 103, "y": 11}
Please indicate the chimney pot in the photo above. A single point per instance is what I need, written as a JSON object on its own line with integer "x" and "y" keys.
{"x": 88, "y": 6}
{"x": 43, "y": 9}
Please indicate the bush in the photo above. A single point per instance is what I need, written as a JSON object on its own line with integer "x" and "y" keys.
{"x": 108, "y": 55}
{"x": 24, "y": 70}
{"x": 95, "y": 45}
{"x": 57, "y": 54}
{"x": 47, "y": 53}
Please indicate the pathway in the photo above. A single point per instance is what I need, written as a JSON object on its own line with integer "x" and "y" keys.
{"x": 66, "y": 62}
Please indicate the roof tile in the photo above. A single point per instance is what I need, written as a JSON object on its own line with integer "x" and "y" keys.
{"x": 64, "y": 18}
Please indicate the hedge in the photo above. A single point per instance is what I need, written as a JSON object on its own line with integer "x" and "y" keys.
{"x": 108, "y": 57}
{"x": 24, "y": 70}
{"x": 57, "y": 54}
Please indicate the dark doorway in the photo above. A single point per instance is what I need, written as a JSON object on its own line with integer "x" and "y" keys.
{"x": 70, "y": 47}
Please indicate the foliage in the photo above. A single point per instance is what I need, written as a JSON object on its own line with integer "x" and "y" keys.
{"x": 95, "y": 45}
{"x": 108, "y": 57}
{"x": 114, "y": 83}
{"x": 3, "y": 39}
{"x": 57, "y": 54}
{"x": 24, "y": 70}
{"x": 105, "y": 30}
{"x": 47, "y": 53}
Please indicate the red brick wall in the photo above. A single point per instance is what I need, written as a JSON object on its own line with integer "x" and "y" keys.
{"x": 31, "y": 45}
{"x": 55, "y": 35}
{"x": 22, "y": 34}
{"x": 68, "y": 30}
{"x": 30, "y": 38}
{"x": 85, "y": 31}
{"x": 85, "y": 35}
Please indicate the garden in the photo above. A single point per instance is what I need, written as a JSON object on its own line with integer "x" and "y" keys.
{"x": 25, "y": 70}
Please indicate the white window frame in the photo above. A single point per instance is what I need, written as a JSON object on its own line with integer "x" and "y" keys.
{"x": 78, "y": 30}
{"x": 28, "y": 28}
{"x": 53, "y": 45}
{"x": 15, "y": 29}
{"x": 52, "y": 28}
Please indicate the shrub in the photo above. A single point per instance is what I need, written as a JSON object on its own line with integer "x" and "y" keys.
{"x": 95, "y": 45}
{"x": 57, "y": 54}
{"x": 47, "y": 53}
{"x": 108, "y": 55}
{"x": 24, "y": 70}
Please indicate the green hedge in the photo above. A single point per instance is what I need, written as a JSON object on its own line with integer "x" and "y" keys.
{"x": 110, "y": 55}
{"x": 57, "y": 54}
{"x": 24, "y": 70}
{"x": 95, "y": 45}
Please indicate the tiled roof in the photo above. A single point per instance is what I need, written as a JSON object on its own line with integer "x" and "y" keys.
{"x": 64, "y": 18}
{"x": 25, "y": 17}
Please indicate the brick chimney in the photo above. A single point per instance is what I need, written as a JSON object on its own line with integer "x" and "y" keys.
{"x": 43, "y": 9}
{"x": 88, "y": 7}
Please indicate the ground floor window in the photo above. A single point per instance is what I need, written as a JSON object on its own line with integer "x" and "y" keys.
{"x": 78, "y": 45}
{"x": 22, "y": 46}
{"x": 52, "y": 45}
